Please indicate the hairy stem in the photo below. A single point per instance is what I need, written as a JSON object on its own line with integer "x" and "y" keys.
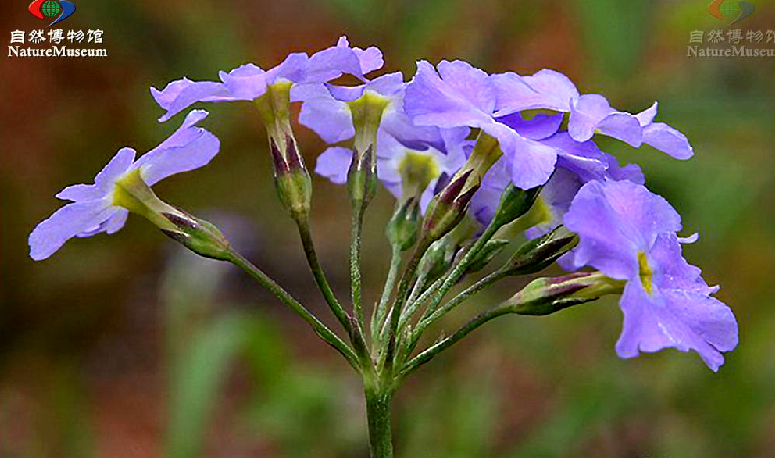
{"x": 320, "y": 276}
{"x": 378, "y": 417}
{"x": 320, "y": 329}
{"x": 430, "y": 316}
{"x": 447, "y": 342}
{"x": 378, "y": 314}
{"x": 356, "y": 227}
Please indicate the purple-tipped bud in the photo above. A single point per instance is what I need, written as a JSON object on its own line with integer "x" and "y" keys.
{"x": 544, "y": 296}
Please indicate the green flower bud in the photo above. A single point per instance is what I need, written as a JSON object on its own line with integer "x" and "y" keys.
{"x": 199, "y": 236}
{"x": 539, "y": 253}
{"x": 447, "y": 209}
{"x": 514, "y": 203}
{"x": 292, "y": 179}
{"x": 404, "y": 225}
{"x": 544, "y": 296}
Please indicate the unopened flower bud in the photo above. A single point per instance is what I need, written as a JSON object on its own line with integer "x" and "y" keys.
{"x": 539, "y": 253}
{"x": 198, "y": 235}
{"x": 514, "y": 202}
{"x": 404, "y": 225}
{"x": 447, "y": 209}
{"x": 544, "y": 296}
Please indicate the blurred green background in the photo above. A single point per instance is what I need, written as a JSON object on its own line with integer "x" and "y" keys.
{"x": 125, "y": 346}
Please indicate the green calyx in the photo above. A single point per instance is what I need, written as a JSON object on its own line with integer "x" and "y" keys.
{"x": 199, "y": 236}
{"x": 133, "y": 194}
{"x": 448, "y": 208}
{"x": 403, "y": 227}
{"x": 292, "y": 179}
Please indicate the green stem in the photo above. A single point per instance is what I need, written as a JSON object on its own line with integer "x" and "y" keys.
{"x": 392, "y": 321}
{"x": 378, "y": 315}
{"x": 454, "y": 275}
{"x": 378, "y": 417}
{"x": 355, "y": 264}
{"x": 430, "y": 316}
{"x": 320, "y": 276}
{"x": 320, "y": 329}
{"x": 447, "y": 342}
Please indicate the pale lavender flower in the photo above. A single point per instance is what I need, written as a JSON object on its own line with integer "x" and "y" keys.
{"x": 459, "y": 95}
{"x": 325, "y": 110}
{"x": 248, "y": 82}
{"x": 589, "y": 113}
{"x": 93, "y": 208}
{"x": 399, "y": 165}
{"x": 629, "y": 234}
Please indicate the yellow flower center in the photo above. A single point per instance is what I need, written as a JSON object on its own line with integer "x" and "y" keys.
{"x": 645, "y": 272}
{"x": 417, "y": 170}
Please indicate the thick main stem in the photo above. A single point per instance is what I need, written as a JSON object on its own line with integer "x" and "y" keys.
{"x": 378, "y": 418}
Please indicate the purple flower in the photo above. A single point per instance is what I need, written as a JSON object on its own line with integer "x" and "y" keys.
{"x": 589, "y": 113}
{"x": 629, "y": 234}
{"x": 95, "y": 207}
{"x": 325, "y": 110}
{"x": 249, "y": 81}
{"x": 402, "y": 170}
{"x": 459, "y": 95}
{"x": 577, "y": 163}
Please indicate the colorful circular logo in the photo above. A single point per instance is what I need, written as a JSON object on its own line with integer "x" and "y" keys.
{"x": 58, "y": 10}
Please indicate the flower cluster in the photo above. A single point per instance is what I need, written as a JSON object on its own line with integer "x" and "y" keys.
{"x": 458, "y": 143}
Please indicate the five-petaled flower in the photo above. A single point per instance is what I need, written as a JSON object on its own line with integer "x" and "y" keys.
{"x": 250, "y": 82}
{"x": 629, "y": 234}
{"x": 123, "y": 186}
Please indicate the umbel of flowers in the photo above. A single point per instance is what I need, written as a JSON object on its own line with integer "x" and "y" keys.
{"x": 472, "y": 158}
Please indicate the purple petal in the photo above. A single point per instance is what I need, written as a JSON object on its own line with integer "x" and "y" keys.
{"x": 469, "y": 82}
{"x": 678, "y": 319}
{"x": 558, "y": 90}
{"x": 668, "y": 140}
{"x": 66, "y": 223}
{"x": 546, "y": 89}
{"x": 179, "y": 95}
{"x": 540, "y": 127}
{"x": 622, "y": 126}
{"x": 246, "y": 82}
{"x": 334, "y": 164}
{"x": 431, "y": 101}
{"x": 187, "y": 149}
{"x": 585, "y": 114}
{"x": 582, "y": 158}
{"x": 615, "y": 220}
{"x": 296, "y": 68}
{"x": 646, "y": 116}
{"x": 81, "y": 193}
{"x": 556, "y": 196}
{"x": 321, "y": 112}
{"x": 531, "y": 162}
{"x": 117, "y": 166}
{"x": 631, "y": 172}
